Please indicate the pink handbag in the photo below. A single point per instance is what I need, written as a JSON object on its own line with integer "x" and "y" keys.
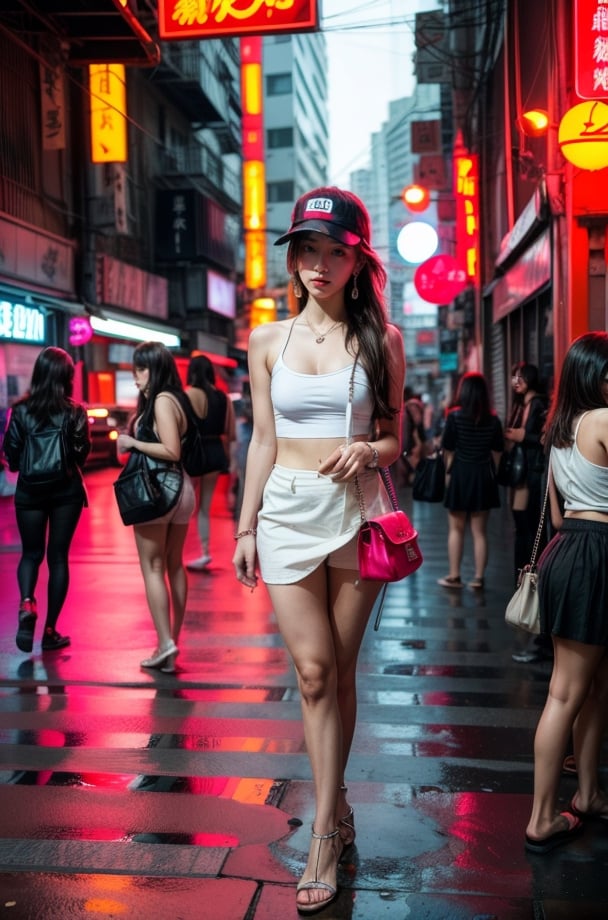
{"x": 387, "y": 545}
{"x": 388, "y": 548}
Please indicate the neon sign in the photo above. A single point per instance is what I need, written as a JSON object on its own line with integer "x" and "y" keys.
{"x": 466, "y": 191}
{"x": 22, "y": 322}
{"x": 211, "y": 18}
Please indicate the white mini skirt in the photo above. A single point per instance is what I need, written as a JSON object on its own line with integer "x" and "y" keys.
{"x": 307, "y": 519}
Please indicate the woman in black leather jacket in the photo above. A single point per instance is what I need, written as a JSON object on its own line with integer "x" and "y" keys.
{"x": 47, "y": 512}
{"x": 525, "y": 427}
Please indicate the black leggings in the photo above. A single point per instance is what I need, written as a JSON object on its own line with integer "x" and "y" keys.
{"x": 32, "y": 523}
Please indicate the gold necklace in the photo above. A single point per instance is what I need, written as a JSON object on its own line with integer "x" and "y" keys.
{"x": 321, "y": 336}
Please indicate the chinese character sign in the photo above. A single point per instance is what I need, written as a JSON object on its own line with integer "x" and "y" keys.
{"x": 190, "y": 19}
{"x": 466, "y": 191}
{"x": 107, "y": 83}
{"x": 591, "y": 48}
{"x": 52, "y": 107}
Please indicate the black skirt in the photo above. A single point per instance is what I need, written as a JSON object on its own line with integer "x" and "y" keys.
{"x": 472, "y": 486}
{"x": 573, "y": 583}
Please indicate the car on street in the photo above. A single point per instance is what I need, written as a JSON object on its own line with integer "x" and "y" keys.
{"x": 105, "y": 424}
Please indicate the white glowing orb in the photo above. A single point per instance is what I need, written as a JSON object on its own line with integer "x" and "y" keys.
{"x": 417, "y": 241}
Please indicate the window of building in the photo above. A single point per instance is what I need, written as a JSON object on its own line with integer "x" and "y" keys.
{"x": 279, "y": 137}
{"x": 280, "y": 191}
{"x": 278, "y": 84}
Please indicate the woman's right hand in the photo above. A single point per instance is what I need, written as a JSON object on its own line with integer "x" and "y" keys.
{"x": 244, "y": 560}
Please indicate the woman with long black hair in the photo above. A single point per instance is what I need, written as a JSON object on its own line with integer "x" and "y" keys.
{"x": 573, "y": 597}
{"x": 525, "y": 427}
{"x": 47, "y": 514}
{"x": 159, "y": 426}
{"x": 472, "y": 445}
{"x": 216, "y": 424}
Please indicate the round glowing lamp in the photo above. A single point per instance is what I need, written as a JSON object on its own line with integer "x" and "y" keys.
{"x": 417, "y": 241}
{"x": 534, "y": 123}
{"x": 440, "y": 279}
{"x": 583, "y": 135}
{"x": 416, "y": 198}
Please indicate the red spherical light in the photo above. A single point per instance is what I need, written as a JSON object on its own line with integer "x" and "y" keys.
{"x": 440, "y": 279}
{"x": 416, "y": 198}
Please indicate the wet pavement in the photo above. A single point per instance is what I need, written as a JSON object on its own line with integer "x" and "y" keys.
{"x": 134, "y": 794}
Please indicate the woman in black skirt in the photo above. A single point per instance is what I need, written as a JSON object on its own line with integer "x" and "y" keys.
{"x": 472, "y": 442}
{"x": 573, "y": 594}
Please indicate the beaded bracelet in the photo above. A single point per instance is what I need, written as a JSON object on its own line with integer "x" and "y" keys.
{"x": 245, "y": 533}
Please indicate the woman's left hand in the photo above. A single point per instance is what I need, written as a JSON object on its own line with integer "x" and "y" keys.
{"x": 124, "y": 443}
{"x": 346, "y": 461}
{"x": 515, "y": 434}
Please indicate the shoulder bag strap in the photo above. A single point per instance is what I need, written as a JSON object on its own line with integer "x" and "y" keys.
{"x": 541, "y": 522}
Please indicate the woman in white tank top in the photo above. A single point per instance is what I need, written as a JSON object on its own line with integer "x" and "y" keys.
{"x": 300, "y": 516}
{"x": 573, "y": 595}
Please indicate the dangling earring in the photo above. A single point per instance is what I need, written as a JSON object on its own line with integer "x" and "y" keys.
{"x": 295, "y": 283}
{"x": 355, "y": 291}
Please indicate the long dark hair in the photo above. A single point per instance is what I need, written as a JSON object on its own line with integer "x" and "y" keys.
{"x": 201, "y": 374}
{"x": 52, "y": 384}
{"x": 580, "y": 386}
{"x": 473, "y": 397}
{"x": 529, "y": 374}
{"x": 365, "y": 316}
{"x": 164, "y": 377}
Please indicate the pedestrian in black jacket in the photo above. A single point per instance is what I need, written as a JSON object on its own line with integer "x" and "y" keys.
{"x": 50, "y": 493}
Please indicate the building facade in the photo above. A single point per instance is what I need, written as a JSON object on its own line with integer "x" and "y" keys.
{"x": 95, "y": 256}
{"x": 296, "y": 123}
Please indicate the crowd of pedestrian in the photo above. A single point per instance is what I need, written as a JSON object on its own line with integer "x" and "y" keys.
{"x": 304, "y": 446}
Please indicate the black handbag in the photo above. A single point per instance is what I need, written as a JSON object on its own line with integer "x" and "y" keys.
{"x": 429, "y": 479}
{"x": 512, "y": 468}
{"x": 147, "y": 488}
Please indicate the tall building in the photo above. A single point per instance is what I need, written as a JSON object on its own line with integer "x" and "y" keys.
{"x": 392, "y": 167}
{"x": 296, "y": 123}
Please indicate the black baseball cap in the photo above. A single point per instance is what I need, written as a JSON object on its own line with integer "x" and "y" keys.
{"x": 332, "y": 211}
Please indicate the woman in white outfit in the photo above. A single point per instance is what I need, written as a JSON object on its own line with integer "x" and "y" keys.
{"x": 300, "y": 512}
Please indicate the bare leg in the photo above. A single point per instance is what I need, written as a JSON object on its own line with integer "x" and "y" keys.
{"x": 479, "y": 524}
{"x": 178, "y": 580}
{"x": 574, "y": 668}
{"x": 456, "y": 521}
{"x": 151, "y": 542}
{"x": 312, "y": 636}
{"x": 207, "y": 488}
{"x": 351, "y": 604}
{"x": 589, "y": 730}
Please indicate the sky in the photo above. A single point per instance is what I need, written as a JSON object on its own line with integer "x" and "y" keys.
{"x": 370, "y": 44}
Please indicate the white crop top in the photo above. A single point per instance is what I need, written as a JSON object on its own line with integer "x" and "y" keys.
{"x": 582, "y": 484}
{"x": 315, "y": 405}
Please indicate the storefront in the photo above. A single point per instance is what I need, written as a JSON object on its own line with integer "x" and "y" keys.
{"x": 518, "y": 302}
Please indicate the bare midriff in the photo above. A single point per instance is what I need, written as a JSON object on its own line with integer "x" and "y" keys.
{"x": 588, "y": 516}
{"x": 308, "y": 453}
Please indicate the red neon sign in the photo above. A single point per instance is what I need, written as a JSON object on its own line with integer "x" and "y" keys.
{"x": 591, "y": 49}
{"x": 466, "y": 192}
{"x": 212, "y": 18}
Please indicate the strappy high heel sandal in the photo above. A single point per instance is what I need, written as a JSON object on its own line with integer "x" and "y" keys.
{"x": 316, "y": 884}
{"x": 346, "y": 826}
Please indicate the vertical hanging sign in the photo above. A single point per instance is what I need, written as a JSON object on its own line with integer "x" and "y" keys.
{"x": 591, "y": 48}
{"x": 254, "y": 172}
{"x": 52, "y": 106}
{"x": 466, "y": 193}
{"x": 107, "y": 84}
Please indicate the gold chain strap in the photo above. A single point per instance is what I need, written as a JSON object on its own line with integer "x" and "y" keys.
{"x": 541, "y": 523}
